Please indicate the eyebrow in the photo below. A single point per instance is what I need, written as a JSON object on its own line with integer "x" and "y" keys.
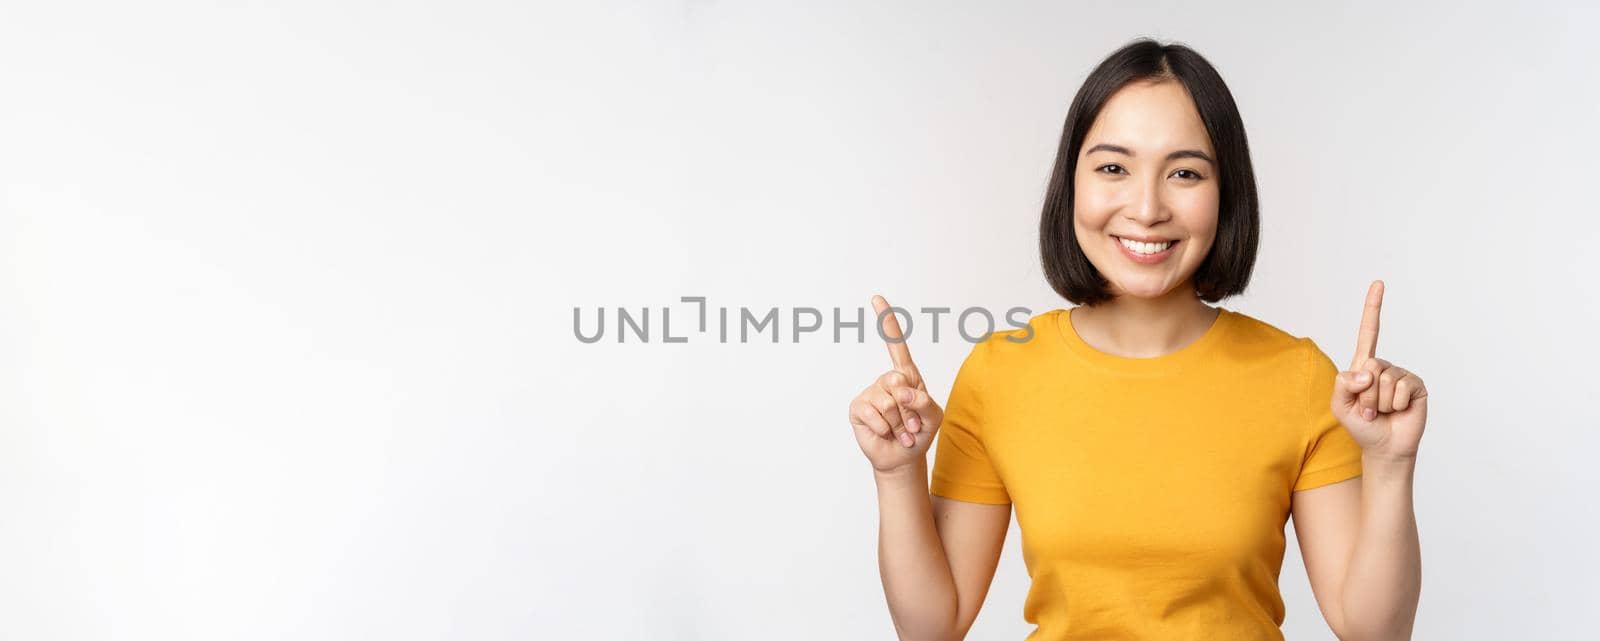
{"x": 1181, "y": 153}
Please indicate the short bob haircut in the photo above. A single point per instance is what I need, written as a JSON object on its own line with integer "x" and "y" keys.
{"x": 1226, "y": 269}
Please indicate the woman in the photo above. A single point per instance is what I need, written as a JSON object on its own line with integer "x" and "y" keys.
{"x": 1153, "y": 445}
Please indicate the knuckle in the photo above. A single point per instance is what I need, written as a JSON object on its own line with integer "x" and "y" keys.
{"x": 869, "y": 417}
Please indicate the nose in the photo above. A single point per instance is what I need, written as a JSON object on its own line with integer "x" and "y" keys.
{"x": 1148, "y": 208}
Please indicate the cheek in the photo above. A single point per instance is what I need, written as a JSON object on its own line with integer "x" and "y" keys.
{"x": 1091, "y": 209}
{"x": 1197, "y": 212}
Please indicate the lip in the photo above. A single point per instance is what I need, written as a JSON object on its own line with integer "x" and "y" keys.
{"x": 1146, "y": 259}
{"x": 1145, "y": 239}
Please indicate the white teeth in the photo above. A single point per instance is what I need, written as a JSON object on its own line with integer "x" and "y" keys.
{"x": 1145, "y": 248}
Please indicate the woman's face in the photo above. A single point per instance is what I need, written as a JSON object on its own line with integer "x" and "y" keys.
{"x": 1145, "y": 175}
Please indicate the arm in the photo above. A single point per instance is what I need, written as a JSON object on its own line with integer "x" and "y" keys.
{"x": 1361, "y": 550}
{"x": 936, "y": 556}
{"x": 1359, "y": 537}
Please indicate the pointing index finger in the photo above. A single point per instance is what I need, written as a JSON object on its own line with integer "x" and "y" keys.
{"x": 1367, "y": 338}
{"x": 899, "y": 353}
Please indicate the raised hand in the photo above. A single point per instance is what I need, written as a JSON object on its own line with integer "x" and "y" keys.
{"x": 1383, "y": 405}
{"x": 894, "y": 418}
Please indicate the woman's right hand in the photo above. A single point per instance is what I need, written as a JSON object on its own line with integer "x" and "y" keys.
{"x": 894, "y": 418}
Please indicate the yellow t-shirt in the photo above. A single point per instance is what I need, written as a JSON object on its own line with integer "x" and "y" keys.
{"x": 1151, "y": 492}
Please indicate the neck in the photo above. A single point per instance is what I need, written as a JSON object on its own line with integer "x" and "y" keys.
{"x": 1135, "y": 327}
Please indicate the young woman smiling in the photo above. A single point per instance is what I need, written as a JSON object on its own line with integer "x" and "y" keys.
{"x": 1153, "y": 445}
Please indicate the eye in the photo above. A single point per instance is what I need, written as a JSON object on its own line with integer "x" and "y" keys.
{"x": 1192, "y": 174}
{"x": 1118, "y": 167}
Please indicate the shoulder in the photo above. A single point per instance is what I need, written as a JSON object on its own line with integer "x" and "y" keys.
{"x": 1257, "y": 341}
{"x": 1018, "y": 344}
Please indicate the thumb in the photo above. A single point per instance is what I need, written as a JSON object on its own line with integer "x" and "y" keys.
{"x": 918, "y": 400}
{"x": 1348, "y": 387}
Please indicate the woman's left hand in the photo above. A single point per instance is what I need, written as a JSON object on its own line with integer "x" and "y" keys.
{"x": 1383, "y": 405}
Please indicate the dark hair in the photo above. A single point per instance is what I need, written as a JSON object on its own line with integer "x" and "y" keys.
{"x": 1226, "y": 269}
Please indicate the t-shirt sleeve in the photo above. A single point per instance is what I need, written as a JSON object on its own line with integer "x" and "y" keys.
{"x": 962, "y": 469}
{"x": 1331, "y": 454}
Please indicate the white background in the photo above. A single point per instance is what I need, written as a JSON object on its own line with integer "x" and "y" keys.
{"x": 286, "y": 297}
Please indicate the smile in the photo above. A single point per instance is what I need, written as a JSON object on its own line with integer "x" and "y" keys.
{"x": 1146, "y": 253}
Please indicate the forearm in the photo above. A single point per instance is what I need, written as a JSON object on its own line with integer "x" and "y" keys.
{"x": 911, "y": 559}
{"x": 1384, "y": 577}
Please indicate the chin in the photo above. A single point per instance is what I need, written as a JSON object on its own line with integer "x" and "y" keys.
{"x": 1142, "y": 290}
